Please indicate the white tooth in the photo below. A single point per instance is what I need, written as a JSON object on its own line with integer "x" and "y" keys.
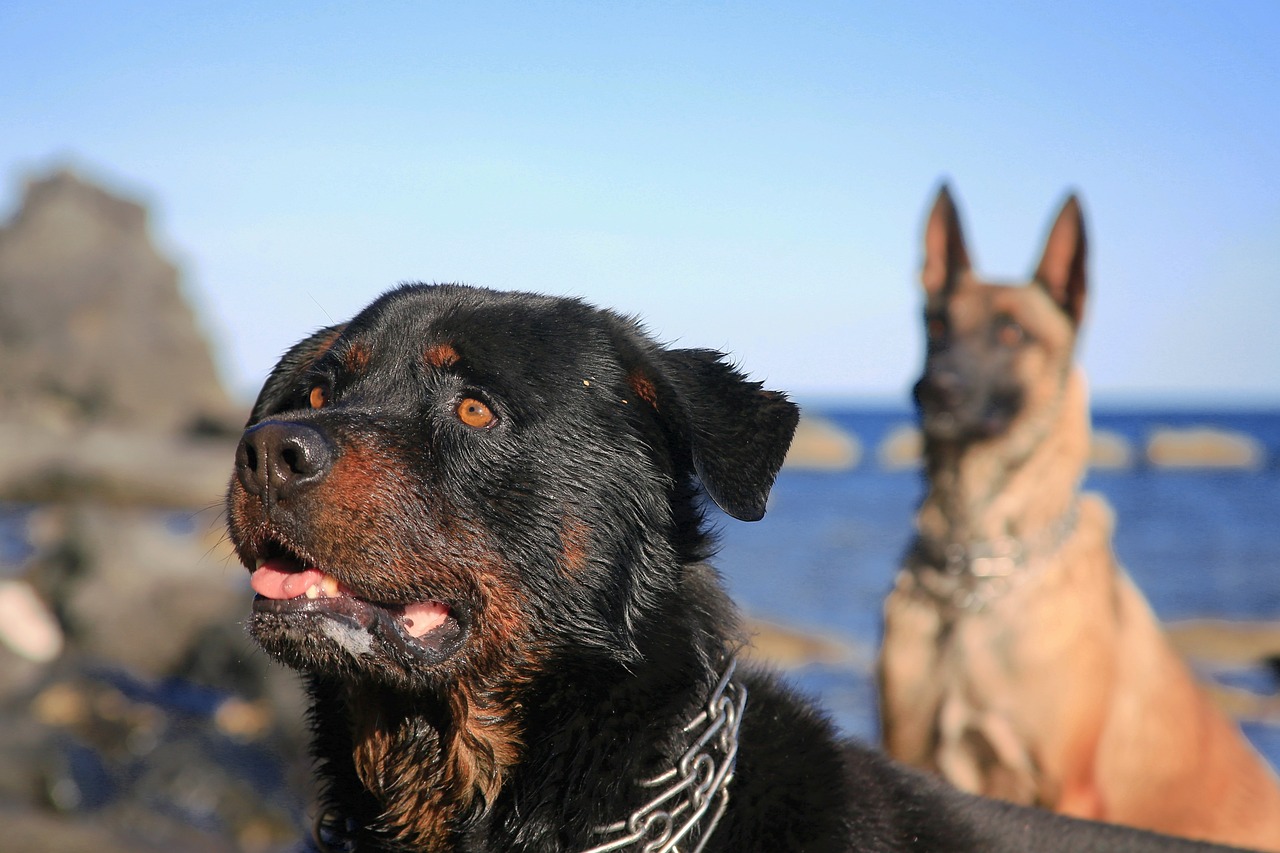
{"x": 313, "y": 591}
{"x": 329, "y": 586}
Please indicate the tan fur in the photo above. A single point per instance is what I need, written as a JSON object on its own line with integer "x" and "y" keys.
{"x": 389, "y": 747}
{"x": 1061, "y": 690}
{"x": 398, "y": 756}
{"x": 441, "y": 355}
{"x": 575, "y": 542}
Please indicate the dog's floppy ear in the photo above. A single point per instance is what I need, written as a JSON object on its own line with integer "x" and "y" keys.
{"x": 283, "y": 379}
{"x": 1062, "y": 266}
{"x": 945, "y": 255}
{"x": 737, "y": 432}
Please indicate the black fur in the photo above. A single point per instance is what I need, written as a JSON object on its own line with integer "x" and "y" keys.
{"x": 568, "y": 541}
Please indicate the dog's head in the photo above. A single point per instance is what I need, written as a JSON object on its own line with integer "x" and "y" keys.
{"x": 459, "y": 479}
{"x": 996, "y": 352}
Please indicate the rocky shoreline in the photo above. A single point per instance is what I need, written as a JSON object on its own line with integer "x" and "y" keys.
{"x": 821, "y": 444}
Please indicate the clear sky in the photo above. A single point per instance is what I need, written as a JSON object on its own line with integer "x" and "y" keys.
{"x": 746, "y": 176}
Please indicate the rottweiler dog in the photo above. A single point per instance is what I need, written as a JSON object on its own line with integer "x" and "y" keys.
{"x": 1019, "y": 660}
{"x": 475, "y": 523}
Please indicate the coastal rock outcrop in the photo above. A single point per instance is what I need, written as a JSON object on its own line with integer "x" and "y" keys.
{"x": 133, "y": 709}
{"x": 1204, "y": 447}
{"x": 821, "y": 445}
{"x": 94, "y": 326}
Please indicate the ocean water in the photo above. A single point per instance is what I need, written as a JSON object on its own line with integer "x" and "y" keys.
{"x": 1200, "y": 544}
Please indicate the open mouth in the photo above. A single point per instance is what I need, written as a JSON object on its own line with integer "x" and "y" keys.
{"x": 286, "y": 585}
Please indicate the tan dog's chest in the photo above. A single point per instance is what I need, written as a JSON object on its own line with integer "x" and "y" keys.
{"x": 972, "y": 692}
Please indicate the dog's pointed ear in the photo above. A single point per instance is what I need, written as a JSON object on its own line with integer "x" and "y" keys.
{"x": 1062, "y": 269}
{"x": 283, "y": 379}
{"x": 737, "y": 432}
{"x": 945, "y": 255}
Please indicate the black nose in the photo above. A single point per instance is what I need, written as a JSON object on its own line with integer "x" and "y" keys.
{"x": 276, "y": 460}
{"x": 941, "y": 388}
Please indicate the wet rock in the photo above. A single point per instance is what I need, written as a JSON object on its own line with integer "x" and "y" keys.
{"x": 1110, "y": 451}
{"x": 788, "y": 647}
{"x": 821, "y": 445}
{"x": 1204, "y": 447}
{"x": 135, "y": 587}
{"x": 901, "y": 448}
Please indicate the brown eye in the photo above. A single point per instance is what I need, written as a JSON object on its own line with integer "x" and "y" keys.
{"x": 1009, "y": 333}
{"x": 936, "y": 328}
{"x": 475, "y": 414}
{"x": 318, "y": 397}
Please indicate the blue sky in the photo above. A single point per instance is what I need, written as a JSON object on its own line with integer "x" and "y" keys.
{"x": 748, "y": 176}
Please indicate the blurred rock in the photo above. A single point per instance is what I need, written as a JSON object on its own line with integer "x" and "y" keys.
{"x": 1110, "y": 451}
{"x": 1204, "y": 447}
{"x": 142, "y": 764}
{"x": 108, "y": 390}
{"x": 786, "y": 647}
{"x": 1219, "y": 648}
{"x": 135, "y": 714}
{"x": 1221, "y": 642}
{"x": 821, "y": 445}
{"x": 135, "y": 587}
{"x": 114, "y": 465}
{"x": 26, "y": 625}
{"x": 36, "y": 832}
{"x": 94, "y": 327}
{"x": 901, "y": 448}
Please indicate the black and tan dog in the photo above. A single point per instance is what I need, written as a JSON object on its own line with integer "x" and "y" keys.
{"x": 1018, "y": 659}
{"x": 473, "y": 522}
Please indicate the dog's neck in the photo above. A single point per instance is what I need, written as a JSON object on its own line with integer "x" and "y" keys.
{"x": 412, "y": 779}
{"x": 407, "y": 770}
{"x": 688, "y": 798}
{"x": 1020, "y": 485}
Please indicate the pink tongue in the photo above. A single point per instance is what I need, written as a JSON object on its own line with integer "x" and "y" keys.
{"x": 282, "y": 579}
{"x": 271, "y": 581}
{"x": 423, "y": 617}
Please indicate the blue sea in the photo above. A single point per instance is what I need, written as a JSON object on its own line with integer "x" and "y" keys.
{"x": 1200, "y": 544}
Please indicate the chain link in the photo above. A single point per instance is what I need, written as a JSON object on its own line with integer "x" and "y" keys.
{"x": 697, "y": 786}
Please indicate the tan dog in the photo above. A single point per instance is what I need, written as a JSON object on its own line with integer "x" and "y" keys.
{"x": 1019, "y": 660}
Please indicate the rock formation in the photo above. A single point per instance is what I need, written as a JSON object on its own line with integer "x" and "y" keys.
{"x": 130, "y": 698}
{"x": 94, "y": 327}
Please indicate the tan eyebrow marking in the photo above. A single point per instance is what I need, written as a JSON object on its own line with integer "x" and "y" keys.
{"x": 356, "y": 358}
{"x": 441, "y": 355}
{"x": 643, "y": 387}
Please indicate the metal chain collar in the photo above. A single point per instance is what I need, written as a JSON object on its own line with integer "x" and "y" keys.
{"x": 973, "y": 574}
{"x": 696, "y": 786}
{"x": 698, "y": 783}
